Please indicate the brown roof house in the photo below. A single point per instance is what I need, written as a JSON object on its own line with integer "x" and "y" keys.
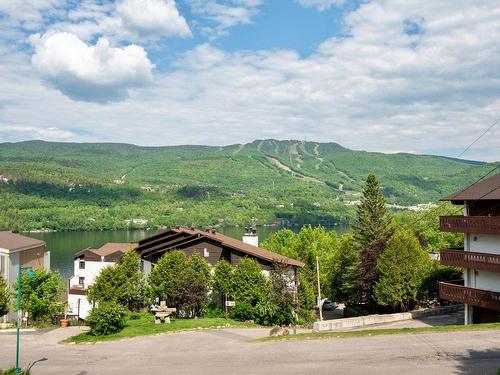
{"x": 15, "y": 250}
{"x": 213, "y": 246}
{"x": 480, "y": 257}
{"x": 88, "y": 263}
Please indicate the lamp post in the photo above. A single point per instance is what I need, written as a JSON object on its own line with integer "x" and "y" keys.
{"x": 30, "y": 274}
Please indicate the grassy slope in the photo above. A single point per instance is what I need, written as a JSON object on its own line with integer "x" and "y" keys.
{"x": 232, "y": 183}
{"x": 145, "y": 326}
{"x": 378, "y": 332}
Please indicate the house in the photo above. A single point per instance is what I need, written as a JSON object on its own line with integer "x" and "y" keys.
{"x": 88, "y": 263}
{"x": 480, "y": 257}
{"x": 15, "y": 250}
{"x": 213, "y": 246}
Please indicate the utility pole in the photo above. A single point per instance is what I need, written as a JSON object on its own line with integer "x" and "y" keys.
{"x": 319, "y": 291}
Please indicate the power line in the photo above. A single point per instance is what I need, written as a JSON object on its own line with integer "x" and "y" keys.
{"x": 478, "y": 138}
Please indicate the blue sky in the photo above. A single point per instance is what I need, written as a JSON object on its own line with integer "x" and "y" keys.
{"x": 379, "y": 75}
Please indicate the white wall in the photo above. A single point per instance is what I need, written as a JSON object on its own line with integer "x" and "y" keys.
{"x": 90, "y": 272}
{"x": 485, "y": 243}
{"x": 85, "y": 306}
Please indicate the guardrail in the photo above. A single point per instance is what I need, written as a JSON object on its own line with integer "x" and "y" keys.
{"x": 470, "y": 224}
{"x": 470, "y": 259}
{"x": 471, "y": 296}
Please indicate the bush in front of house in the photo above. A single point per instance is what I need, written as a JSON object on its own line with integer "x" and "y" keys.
{"x": 107, "y": 318}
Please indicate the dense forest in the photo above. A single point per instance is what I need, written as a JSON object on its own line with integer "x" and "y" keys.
{"x": 68, "y": 186}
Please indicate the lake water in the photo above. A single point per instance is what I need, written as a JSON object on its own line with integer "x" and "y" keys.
{"x": 63, "y": 245}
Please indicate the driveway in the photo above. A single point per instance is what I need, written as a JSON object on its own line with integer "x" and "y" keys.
{"x": 229, "y": 351}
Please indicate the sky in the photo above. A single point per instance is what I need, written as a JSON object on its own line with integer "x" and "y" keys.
{"x": 384, "y": 75}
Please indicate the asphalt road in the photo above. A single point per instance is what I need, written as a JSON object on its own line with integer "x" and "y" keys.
{"x": 229, "y": 351}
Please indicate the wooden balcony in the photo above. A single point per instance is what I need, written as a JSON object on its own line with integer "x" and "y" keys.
{"x": 470, "y": 296}
{"x": 470, "y": 259}
{"x": 470, "y": 224}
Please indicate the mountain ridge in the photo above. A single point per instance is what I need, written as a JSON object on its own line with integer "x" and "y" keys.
{"x": 268, "y": 179}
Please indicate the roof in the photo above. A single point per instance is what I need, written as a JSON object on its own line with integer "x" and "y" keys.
{"x": 17, "y": 242}
{"x": 488, "y": 189}
{"x": 228, "y": 242}
{"x": 106, "y": 250}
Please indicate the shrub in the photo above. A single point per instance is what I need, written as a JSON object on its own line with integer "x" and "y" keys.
{"x": 212, "y": 311}
{"x": 242, "y": 311}
{"x": 4, "y": 297}
{"x": 107, "y": 318}
{"x": 306, "y": 317}
{"x": 265, "y": 312}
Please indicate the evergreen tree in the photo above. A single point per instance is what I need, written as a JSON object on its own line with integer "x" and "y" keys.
{"x": 223, "y": 280}
{"x": 371, "y": 231}
{"x": 402, "y": 268}
{"x": 4, "y": 297}
{"x": 344, "y": 272}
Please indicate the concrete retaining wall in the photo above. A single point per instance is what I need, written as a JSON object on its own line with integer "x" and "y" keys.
{"x": 361, "y": 321}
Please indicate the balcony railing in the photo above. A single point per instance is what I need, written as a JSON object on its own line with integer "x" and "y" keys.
{"x": 470, "y": 224}
{"x": 470, "y": 259}
{"x": 470, "y": 296}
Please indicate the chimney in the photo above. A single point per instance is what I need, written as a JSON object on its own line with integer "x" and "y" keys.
{"x": 250, "y": 236}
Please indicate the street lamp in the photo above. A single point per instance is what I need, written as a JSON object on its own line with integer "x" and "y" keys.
{"x": 31, "y": 275}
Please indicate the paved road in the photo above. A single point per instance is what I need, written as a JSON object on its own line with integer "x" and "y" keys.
{"x": 229, "y": 352}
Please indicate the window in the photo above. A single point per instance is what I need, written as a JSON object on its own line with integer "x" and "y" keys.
{"x": 81, "y": 280}
{"x": 206, "y": 254}
{"x": 142, "y": 265}
{"x": 82, "y": 265}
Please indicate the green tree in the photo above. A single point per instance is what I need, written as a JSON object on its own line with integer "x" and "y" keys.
{"x": 309, "y": 243}
{"x": 122, "y": 283}
{"x": 371, "y": 231}
{"x": 182, "y": 282}
{"x": 282, "y": 294}
{"x": 223, "y": 280}
{"x": 195, "y": 285}
{"x": 344, "y": 272}
{"x": 4, "y": 297}
{"x": 40, "y": 295}
{"x": 402, "y": 268}
{"x": 106, "y": 286}
{"x": 164, "y": 279}
{"x": 132, "y": 292}
{"x": 250, "y": 285}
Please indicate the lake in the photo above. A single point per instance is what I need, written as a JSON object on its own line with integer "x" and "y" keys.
{"x": 63, "y": 245}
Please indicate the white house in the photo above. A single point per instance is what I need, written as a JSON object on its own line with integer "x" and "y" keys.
{"x": 88, "y": 263}
{"x": 480, "y": 257}
{"x": 15, "y": 250}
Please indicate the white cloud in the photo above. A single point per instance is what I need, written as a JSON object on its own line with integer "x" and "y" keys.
{"x": 27, "y": 13}
{"x": 152, "y": 18}
{"x": 385, "y": 86}
{"x": 225, "y": 15}
{"x": 321, "y": 4}
{"x": 97, "y": 72}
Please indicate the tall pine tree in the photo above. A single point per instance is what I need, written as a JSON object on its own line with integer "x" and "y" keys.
{"x": 371, "y": 230}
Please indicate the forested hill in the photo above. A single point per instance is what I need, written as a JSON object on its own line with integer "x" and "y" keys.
{"x": 95, "y": 186}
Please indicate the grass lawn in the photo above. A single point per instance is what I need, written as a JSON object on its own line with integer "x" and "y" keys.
{"x": 145, "y": 325}
{"x": 377, "y": 332}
